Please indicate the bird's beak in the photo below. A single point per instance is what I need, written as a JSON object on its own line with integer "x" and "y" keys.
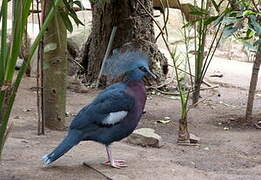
{"x": 152, "y": 74}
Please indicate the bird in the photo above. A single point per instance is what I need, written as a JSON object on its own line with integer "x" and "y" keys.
{"x": 115, "y": 112}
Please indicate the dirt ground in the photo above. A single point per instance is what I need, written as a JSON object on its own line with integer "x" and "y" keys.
{"x": 226, "y": 151}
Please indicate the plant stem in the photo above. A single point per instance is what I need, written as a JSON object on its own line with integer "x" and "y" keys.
{"x": 253, "y": 84}
{"x": 3, "y": 55}
{"x": 10, "y": 97}
{"x": 3, "y": 42}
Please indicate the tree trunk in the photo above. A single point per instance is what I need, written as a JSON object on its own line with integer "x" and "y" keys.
{"x": 253, "y": 83}
{"x": 196, "y": 92}
{"x": 54, "y": 72}
{"x": 134, "y": 27}
{"x": 183, "y": 135}
{"x": 24, "y": 52}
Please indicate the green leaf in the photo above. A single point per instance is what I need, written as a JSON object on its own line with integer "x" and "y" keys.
{"x": 248, "y": 12}
{"x": 248, "y": 45}
{"x": 254, "y": 25}
{"x": 229, "y": 20}
{"x": 1, "y": 13}
{"x": 21, "y": 9}
{"x": 197, "y": 11}
{"x": 257, "y": 42}
{"x": 75, "y": 18}
{"x": 3, "y": 40}
{"x": 70, "y": 12}
{"x": 67, "y": 22}
{"x": 229, "y": 30}
{"x": 209, "y": 20}
{"x": 79, "y": 4}
{"x": 250, "y": 34}
{"x": 234, "y": 13}
{"x": 221, "y": 17}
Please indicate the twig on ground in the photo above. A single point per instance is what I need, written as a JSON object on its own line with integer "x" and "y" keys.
{"x": 258, "y": 125}
{"x": 165, "y": 92}
{"x": 194, "y": 105}
{"x": 77, "y": 63}
{"x": 96, "y": 170}
{"x": 211, "y": 87}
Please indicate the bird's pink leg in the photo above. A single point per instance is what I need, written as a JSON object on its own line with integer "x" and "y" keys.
{"x": 114, "y": 163}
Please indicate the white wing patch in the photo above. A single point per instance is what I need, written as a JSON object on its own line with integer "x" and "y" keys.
{"x": 114, "y": 117}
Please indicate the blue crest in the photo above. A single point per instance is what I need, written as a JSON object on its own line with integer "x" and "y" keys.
{"x": 120, "y": 63}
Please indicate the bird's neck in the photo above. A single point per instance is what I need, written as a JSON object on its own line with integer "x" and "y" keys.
{"x": 137, "y": 90}
{"x": 134, "y": 76}
{"x": 135, "y": 84}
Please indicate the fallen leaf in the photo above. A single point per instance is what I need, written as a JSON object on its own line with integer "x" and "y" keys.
{"x": 206, "y": 148}
{"x": 174, "y": 97}
{"x": 153, "y": 92}
{"x": 217, "y": 74}
{"x": 226, "y": 128}
{"x": 225, "y": 104}
{"x": 4, "y": 87}
{"x": 24, "y": 141}
{"x": 163, "y": 121}
{"x": 67, "y": 114}
{"x": 27, "y": 110}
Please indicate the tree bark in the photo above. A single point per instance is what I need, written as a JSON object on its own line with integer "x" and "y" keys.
{"x": 183, "y": 135}
{"x": 54, "y": 72}
{"x": 134, "y": 28}
{"x": 196, "y": 92}
{"x": 252, "y": 87}
{"x": 24, "y": 52}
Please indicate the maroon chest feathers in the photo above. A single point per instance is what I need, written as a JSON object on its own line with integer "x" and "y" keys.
{"x": 136, "y": 89}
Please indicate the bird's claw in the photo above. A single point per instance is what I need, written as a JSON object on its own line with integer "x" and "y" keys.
{"x": 116, "y": 163}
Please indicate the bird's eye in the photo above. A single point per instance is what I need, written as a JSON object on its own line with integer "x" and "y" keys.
{"x": 142, "y": 68}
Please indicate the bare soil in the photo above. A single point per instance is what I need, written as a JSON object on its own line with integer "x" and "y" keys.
{"x": 226, "y": 150}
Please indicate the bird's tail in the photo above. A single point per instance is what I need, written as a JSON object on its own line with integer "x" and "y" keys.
{"x": 69, "y": 141}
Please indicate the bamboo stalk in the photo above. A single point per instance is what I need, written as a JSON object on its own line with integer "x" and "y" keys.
{"x": 10, "y": 97}
{"x": 3, "y": 42}
{"x": 3, "y": 55}
{"x": 253, "y": 84}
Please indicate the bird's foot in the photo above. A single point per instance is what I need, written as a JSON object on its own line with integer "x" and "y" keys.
{"x": 116, "y": 163}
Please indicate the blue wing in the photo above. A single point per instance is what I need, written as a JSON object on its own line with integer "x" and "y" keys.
{"x": 107, "y": 109}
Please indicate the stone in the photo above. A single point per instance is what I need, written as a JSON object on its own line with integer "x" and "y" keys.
{"x": 145, "y": 137}
{"x": 216, "y": 74}
{"x": 156, "y": 13}
{"x": 193, "y": 138}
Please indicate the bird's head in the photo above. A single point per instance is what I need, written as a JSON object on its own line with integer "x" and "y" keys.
{"x": 133, "y": 63}
{"x": 139, "y": 72}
